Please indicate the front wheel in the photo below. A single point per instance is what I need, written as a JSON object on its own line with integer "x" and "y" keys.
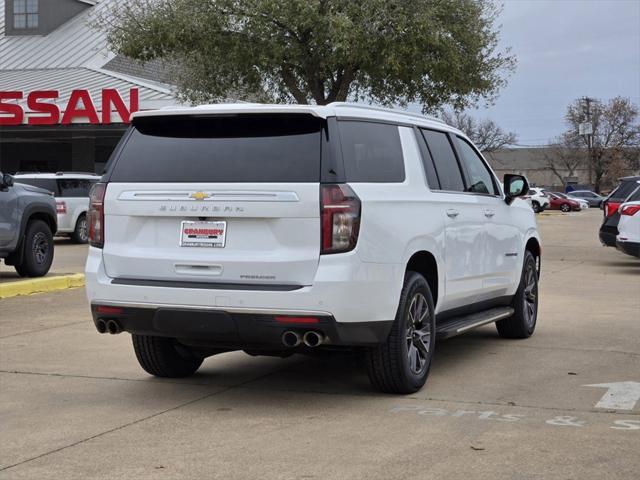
{"x": 164, "y": 357}
{"x": 402, "y": 363}
{"x": 525, "y": 303}
{"x": 565, "y": 207}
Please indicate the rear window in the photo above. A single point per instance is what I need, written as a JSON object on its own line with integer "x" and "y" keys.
{"x": 46, "y": 183}
{"x": 243, "y": 148}
{"x": 372, "y": 152}
{"x": 75, "y": 187}
{"x": 624, "y": 190}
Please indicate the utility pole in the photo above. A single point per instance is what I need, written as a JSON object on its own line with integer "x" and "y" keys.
{"x": 586, "y": 129}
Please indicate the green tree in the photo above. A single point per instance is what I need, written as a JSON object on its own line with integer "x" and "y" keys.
{"x": 434, "y": 52}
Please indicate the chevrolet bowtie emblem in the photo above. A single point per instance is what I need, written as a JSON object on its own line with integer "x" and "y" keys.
{"x": 199, "y": 195}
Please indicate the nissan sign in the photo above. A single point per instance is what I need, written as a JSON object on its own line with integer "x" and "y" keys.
{"x": 43, "y": 109}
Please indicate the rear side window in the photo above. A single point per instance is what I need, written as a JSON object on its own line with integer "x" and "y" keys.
{"x": 444, "y": 160}
{"x": 75, "y": 187}
{"x": 242, "y": 148}
{"x": 480, "y": 178}
{"x": 46, "y": 183}
{"x": 372, "y": 152}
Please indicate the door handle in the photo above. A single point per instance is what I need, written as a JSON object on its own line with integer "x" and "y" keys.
{"x": 451, "y": 213}
{"x": 489, "y": 213}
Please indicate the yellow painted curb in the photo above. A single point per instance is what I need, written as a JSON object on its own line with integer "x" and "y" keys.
{"x": 41, "y": 285}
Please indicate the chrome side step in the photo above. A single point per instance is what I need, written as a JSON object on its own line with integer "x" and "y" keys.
{"x": 457, "y": 325}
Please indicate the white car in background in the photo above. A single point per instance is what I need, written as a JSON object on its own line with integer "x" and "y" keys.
{"x": 628, "y": 239}
{"x": 71, "y": 191}
{"x": 538, "y": 199}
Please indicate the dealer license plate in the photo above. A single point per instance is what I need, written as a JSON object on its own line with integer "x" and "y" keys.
{"x": 203, "y": 234}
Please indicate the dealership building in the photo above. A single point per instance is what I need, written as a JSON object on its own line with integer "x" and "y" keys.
{"x": 65, "y": 98}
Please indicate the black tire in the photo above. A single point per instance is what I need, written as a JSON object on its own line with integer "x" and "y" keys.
{"x": 388, "y": 365}
{"x": 565, "y": 207}
{"x": 81, "y": 231}
{"x": 163, "y": 357}
{"x": 536, "y": 207}
{"x": 37, "y": 250}
{"x": 525, "y": 303}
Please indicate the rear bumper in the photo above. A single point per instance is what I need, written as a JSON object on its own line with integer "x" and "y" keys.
{"x": 345, "y": 289}
{"x": 630, "y": 248}
{"x": 608, "y": 235}
{"x": 236, "y": 330}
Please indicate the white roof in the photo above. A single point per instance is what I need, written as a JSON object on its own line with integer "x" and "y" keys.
{"x": 336, "y": 109}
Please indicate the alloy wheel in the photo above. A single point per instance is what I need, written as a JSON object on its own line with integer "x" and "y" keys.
{"x": 418, "y": 334}
{"x": 40, "y": 248}
{"x": 530, "y": 294}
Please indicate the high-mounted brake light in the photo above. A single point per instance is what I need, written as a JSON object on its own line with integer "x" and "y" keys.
{"x": 95, "y": 216}
{"x": 339, "y": 218}
{"x": 630, "y": 210}
{"x": 61, "y": 207}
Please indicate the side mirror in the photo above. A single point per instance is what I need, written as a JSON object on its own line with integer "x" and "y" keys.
{"x": 514, "y": 186}
{"x": 6, "y": 180}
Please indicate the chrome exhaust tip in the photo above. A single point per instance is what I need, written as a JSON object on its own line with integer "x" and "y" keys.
{"x": 313, "y": 339}
{"x": 291, "y": 339}
{"x": 113, "y": 327}
{"x": 101, "y": 326}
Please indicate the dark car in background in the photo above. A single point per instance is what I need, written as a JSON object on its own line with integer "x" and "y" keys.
{"x": 592, "y": 198}
{"x": 628, "y": 190}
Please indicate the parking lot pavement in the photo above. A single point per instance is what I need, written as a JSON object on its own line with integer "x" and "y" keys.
{"x": 67, "y": 258}
{"x": 75, "y": 404}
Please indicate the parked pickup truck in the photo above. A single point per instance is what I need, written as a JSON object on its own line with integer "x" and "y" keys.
{"x": 27, "y": 225}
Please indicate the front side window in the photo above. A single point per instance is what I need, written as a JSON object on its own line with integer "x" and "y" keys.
{"x": 25, "y": 14}
{"x": 444, "y": 160}
{"x": 480, "y": 178}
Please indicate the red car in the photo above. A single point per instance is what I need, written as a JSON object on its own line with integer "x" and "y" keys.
{"x": 562, "y": 203}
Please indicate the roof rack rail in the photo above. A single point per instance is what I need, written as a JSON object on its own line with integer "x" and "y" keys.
{"x": 77, "y": 173}
{"x": 385, "y": 109}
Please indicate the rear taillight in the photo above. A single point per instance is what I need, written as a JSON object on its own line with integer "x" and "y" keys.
{"x": 630, "y": 210}
{"x": 61, "y": 207}
{"x": 95, "y": 216}
{"x": 610, "y": 208}
{"x": 339, "y": 217}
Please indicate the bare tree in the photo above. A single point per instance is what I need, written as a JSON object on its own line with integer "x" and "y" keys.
{"x": 616, "y": 135}
{"x": 564, "y": 155}
{"x": 484, "y": 133}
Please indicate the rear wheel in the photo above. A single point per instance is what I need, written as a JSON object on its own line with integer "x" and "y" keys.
{"x": 525, "y": 304}
{"x": 37, "y": 252}
{"x": 402, "y": 363}
{"x": 565, "y": 207}
{"x": 164, "y": 357}
{"x": 81, "y": 232}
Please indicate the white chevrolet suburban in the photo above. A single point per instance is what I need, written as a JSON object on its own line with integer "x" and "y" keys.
{"x": 281, "y": 229}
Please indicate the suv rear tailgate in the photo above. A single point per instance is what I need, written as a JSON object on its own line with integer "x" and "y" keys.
{"x": 203, "y": 200}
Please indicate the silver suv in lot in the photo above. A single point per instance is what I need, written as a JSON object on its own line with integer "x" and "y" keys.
{"x": 290, "y": 229}
{"x": 71, "y": 191}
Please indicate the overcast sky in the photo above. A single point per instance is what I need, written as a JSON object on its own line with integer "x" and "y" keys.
{"x": 565, "y": 49}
